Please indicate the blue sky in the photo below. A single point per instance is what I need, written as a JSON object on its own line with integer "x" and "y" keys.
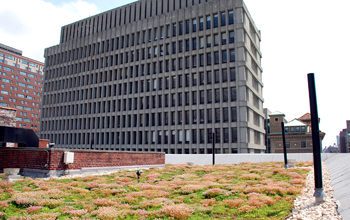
{"x": 298, "y": 37}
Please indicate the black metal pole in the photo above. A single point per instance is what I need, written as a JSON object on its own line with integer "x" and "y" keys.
{"x": 213, "y": 148}
{"x": 284, "y": 146}
{"x": 316, "y": 143}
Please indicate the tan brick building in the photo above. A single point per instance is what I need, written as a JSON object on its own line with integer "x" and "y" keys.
{"x": 297, "y": 131}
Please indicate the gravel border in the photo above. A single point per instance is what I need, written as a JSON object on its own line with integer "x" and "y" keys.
{"x": 305, "y": 207}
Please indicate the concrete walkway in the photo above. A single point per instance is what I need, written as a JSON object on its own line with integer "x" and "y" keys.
{"x": 338, "y": 165}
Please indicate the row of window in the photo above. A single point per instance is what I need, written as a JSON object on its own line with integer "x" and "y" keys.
{"x": 193, "y": 136}
{"x": 302, "y": 144}
{"x": 83, "y": 29}
{"x": 295, "y": 129}
{"x": 137, "y": 70}
{"x": 138, "y": 86}
{"x": 25, "y": 125}
{"x": 149, "y": 102}
{"x": 202, "y": 116}
{"x": 135, "y": 55}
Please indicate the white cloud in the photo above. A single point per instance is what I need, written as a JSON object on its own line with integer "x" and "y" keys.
{"x": 31, "y": 26}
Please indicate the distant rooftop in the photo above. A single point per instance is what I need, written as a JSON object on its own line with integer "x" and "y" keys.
{"x": 10, "y": 49}
{"x": 276, "y": 113}
{"x": 295, "y": 122}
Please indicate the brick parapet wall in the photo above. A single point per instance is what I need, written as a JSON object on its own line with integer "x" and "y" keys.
{"x": 37, "y": 158}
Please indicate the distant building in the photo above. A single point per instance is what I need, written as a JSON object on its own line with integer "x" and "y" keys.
{"x": 21, "y": 86}
{"x": 297, "y": 131}
{"x": 343, "y": 140}
{"x": 157, "y": 76}
{"x": 267, "y": 113}
{"x": 331, "y": 149}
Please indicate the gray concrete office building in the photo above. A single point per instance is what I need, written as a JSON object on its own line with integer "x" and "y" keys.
{"x": 157, "y": 75}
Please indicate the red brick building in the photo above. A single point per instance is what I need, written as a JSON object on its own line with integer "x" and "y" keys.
{"x": 21, "y": 86}
{"x": 297, "y": 132}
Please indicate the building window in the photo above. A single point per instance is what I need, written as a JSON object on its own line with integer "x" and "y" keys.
{"x": 233, "y": 135}
{"x": 208, "y": 22}
{"x": 187, "y": 27}
{"x": 216, "y": 21}
{"x": 303, "y": 144}
{"x": 232, "y": 55}
{"x": 223, "y": 38}
{"x": 232, "y": 36}
{"x": 208, "y": 41}
{"x": 223, "y": 19}
{"x": 287, "y": 144}
{"x": 216, "y": 58}
{"x": 194, "y": 25}
{"x": 224, "y": 56}
{"x": 233, "y": 74}
{"x": 208, "y": 59}
{"x": 180, "y": 28}
{"x": 216, "y": 39}
{"x": 230, "y": 17}
{"x": 201, "y": 24}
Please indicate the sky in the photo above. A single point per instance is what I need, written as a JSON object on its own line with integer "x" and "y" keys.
{"x": 298, "y": 37}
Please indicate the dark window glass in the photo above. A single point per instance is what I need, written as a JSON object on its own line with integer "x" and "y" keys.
{"x": 209, "y": 81}
{"x": 232, "y": 36}
{"x": 187, "y": 45}
{"x": 216, "y": 76}
{"x": 233, "y": 94}
{"x": 194, "y": 25}
{"x": 225, "y": 114}
{"x": 234, "y": 135}
{"x": 217, "y": 115}
{"x": 223, "y": 19}
{"x": 216, "y": 21}
{"x": 181, "y": 28}
{"x": 224, "y": 94}
{"x": 232, "y": 55}
{"x": 208, "y": 59}
{"x": 209, "y": 96}
{"x": 224, "y": 75}
{"x": 201, "y": 24}
{"x": 233, "y": 74}
{"x": 230, "y": 17}
{"x": 208, "y": 22}
{"x": 224, "y": 56}
{"x": 217, "y": 95}
{"x": 216, "y": 57}
{"x": 210, "y": 135}
{"x": 201, "y": 78}
{"x": 201, "y": 60}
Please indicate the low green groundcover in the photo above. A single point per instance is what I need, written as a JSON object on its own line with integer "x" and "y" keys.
{"x": 236, "y": 191}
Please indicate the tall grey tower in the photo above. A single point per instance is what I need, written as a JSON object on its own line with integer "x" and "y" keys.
{"x": 157, "y": 75}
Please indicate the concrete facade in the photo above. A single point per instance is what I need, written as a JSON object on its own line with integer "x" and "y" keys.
{"x": 297, "y": 132}
{"x": 21, "y": 88}
{"x": 157, "y": 76}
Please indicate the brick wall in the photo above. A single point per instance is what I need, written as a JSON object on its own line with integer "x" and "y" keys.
{"x": 43, "y": 143}
{"x": 37, "y": 158}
